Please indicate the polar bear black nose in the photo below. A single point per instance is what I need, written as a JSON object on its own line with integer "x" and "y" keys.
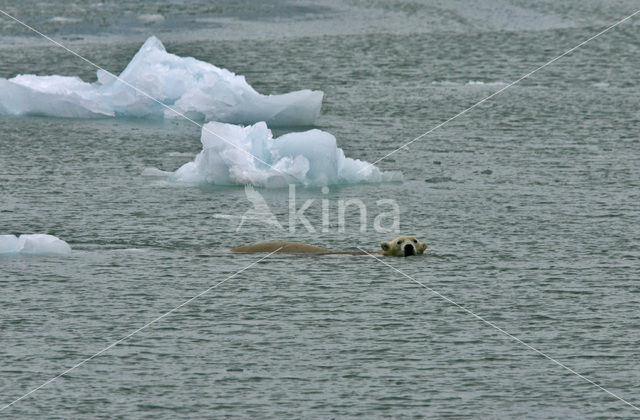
{"x": 409, "y": 250}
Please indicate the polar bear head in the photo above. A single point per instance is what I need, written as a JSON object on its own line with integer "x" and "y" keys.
{"x": 403, "y": 246}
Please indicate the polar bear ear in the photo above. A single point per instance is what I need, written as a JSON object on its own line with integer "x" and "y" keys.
{"x": 385, "y": 246}
{"x": 422, "y": 246}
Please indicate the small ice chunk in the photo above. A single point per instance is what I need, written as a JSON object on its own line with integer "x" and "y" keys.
{"x": 150, "y": 18}
{"x": 41, "y": 244}
{"x": 232, "y": 154}
{"x": 155, "y": 78}
{"x": 64, "y": 20}
{"x": 9, "y": 244}
{"x": 36, "y": 244}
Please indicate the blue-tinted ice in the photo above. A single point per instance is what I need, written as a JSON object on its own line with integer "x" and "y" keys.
{"x": 36, "y": 244}
{"x": 233, "y": 154}
{"x": 192, "y": 87}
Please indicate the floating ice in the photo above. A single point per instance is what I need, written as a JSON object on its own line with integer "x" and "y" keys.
{"x": 470, "y": 83}
{"x": 233, "y": 154}
{"x": 37, "y": 244}
{"x": 192, "y": 87}
{"x": 487, "y": 84}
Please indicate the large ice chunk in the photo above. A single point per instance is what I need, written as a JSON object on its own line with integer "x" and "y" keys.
{"x": 37, "y": 244}
{"x": 192, "y": 87}
{"x": 233, "y": 154}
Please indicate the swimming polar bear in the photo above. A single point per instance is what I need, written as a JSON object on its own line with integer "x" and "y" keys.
{"x": 402, "y": 246}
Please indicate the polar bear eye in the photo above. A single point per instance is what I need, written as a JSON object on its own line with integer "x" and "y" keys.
{"x": 415, "y": 241}
{"x": 399, "y": 242}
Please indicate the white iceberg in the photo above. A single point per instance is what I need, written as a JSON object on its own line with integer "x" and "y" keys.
{"x": 37, "y": 244}
{"x": 233, "y": 154}
{"x": 192, "y": 87}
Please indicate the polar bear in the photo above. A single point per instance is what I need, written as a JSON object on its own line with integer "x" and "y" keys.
{"x": 402, "y": 246}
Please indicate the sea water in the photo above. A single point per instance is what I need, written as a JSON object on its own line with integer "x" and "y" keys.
{"x": 529, "y": 204}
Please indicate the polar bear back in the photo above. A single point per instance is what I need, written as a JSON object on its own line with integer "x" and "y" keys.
{"x": 286, "y": 247}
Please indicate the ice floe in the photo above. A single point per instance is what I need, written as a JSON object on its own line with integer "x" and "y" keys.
{"x": 470, "y": 83}
{"x": 192, "y": 87}
{"x": 233, "y": 154}
{"x": 36, "y": 244}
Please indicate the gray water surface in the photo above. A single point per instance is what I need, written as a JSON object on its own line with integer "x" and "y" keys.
{"x": 529, "y": 204}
